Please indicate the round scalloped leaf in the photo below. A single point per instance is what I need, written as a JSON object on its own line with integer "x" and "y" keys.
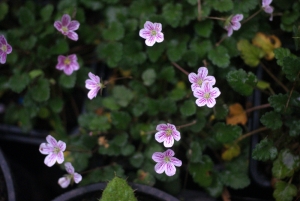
{"x": 219, "y": 56}
{"x": 264, "y": 150}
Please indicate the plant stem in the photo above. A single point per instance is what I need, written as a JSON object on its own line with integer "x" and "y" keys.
{"x": 222, "y": 39}
{"x": 118, "y": 78}
{"x": 257, "y": 107}
{"x": 287, "y": 103}
{"x": 186, "y": 125}
{"x": 251, "y": 133}
{"x": 253, "y": 15}
{"x": 274, "y": 78}
{"x": 216, "y": 18}
{"x": 199, "y": 10}
{"x": 180, "y": 68}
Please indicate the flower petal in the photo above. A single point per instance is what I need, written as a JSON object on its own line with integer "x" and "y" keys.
{"x": 158, "y": 157}
{"x": 210, "y": 102}
{"x": 161, "y": 127}
{"x": 160, "y": 136}
{"x": 269, "y": 9}
{"x": 149, "y": 25}
{"x": 171, "y": 126}
{"x": 3, "y": 40}
{"x": 230, "y": 31}
{"x": 94, "y": 77}
{"x": 169, "y": 152}
{"x": 215, "y": 92}
{"x": 64, "y": 182}
{"x": 45, "y": 149}
{"x": 160, "y": 167}
{"x": 201, "y": 102}
{"x": 50, "y": 159}
{"x": 198, "y": 92}
{"x": 74, "y": 25}
{"x": 62, "y": 145}
{"x": 235, "y": 25}
{"x": 51, "y": 140}
{"x": 170, "y": 169}
{"x": 69, "y": 168}
{"x": 266, "y": 2}
{"x": 195, "y": 86}
{"x": 210, "y": 79}
{"x": 169, "y": 141}
{"x": 65, "y": 20}
{"x": 159, "y": 37}
{"x": 72, "y": 35}
{"x": 58, "y": 25}
{"x": 202, "y": 72}
{"x": 68, "y": 70}
{"x": 9, "y": 49}
{"x": 74, "y": 65}
{"x": 176, "y": 135}
{"x": 206, "y": 87}
{"x": 72, "y": 57}
{"x": 150, "y": 41}
{"x": 144, "y": 33}
{"x": 157, "y": 27}
{"x": 193, "y": 78}
{"x": 93, "y": 93}
{"x": 3, "y": 58}
{"x": 176, "y": 161}
{"x": 90, "y": 84}
{"x": 60, "y": 157}
{"x": 77, "y": 177}
{"x": 237, "y": 18}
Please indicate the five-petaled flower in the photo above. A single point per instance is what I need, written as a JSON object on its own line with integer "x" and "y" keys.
{"x": 267, "y": 8}
{"x": 66, "y": 179}
{"x": 167, "y": 133}
{"x": 198, "y": 79}
{"x": 5, "y": 49}
{"x": 94, "y": 85}
{"x": 67, "y": 27}
{"x": 166, "y": 162}
{"x": 152, "y": 33}
{"x": 206, "y": 95}
{"x": 233, "y": 23}
{"x": 68, "y": 64}
{"x": 54, "y": 150}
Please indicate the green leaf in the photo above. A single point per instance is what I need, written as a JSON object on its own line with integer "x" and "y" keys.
{"x": 111, "y": 150}
{"x": 167, "y": 105}
{"x": 204, "y": 28}
{"x": 188, "y": 108}
{"x": 271, "y": 120}
{"x": 291, "y": 67}
{"x": 221, "y": 111}
{"x": 56, "y": 104}
{"x": 26, "y": 17}
{"x": 120, "y": 119}
{"x": 226, "y": 133}
{"x": 155, "y": 51}
{"x": 137, "y": 159}
{"x": 18, "y": 82}
{"x": 29, "y": 43}
{"x": 289, "y": 17}
{"x": 280, "y": 54}
{"x": 172, "y": 13}
{"x": 118, "y": 94}
{"x": 244, "y": 6}
{"x": 230, "y": 45}
{"x": 41, "y": 90}
{"x": 201, "y": 48}
{"x": 278, "y": 102}
{"x": 219, "y": 56}
{"x": 140, "y": 8}
{"x": 3, "y": 10}
{"x": 127, "y": 150}
{"x": 120, "y": 140}
{"x": 35, "y": 73}
{"x": 201, "y": 172}
{"x": 67, "y": 81}
{"x": 115, "y": 31}
{"x": 235, "y": 180}
{"x": 195, "y": 152}
{"x": 263, "y": 85}
{"x": 242, "y": 82}
{"x": 167, "y": 73}
{"x": 149, "y": 76}
{"x": 191, "y": 57}
{"x": 294, "y": 126}
{"x": 177, "y": 94}
{"x": 264, "y": 150}
{"x": 46, "y": 12}
{"x": 250, "y": 53}
{"x": 284, "y": 191}
{"x": 111, "y": 52}
{"x": 110, "y": 103}
{"x": 216, "y": 188}
{"x": 93, "y": 122}
{"x": 221, "y": 5}
{"x": 176, "y": 49}
{"x": 60, "y": 47}
{"x": 91, "y": 4}
{"x": 192, "y": 2}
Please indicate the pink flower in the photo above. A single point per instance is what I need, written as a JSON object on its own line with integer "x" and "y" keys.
{"x": 67, "y": 27}
{"x": 5, "y": 49}
{"x": 68, "y": 64}
{"x": 233, "y": 23}
{"x": 66, "y": 179}
{"x": 166, "y": 162}
{"x": 54, "y": 150}
{"x": 198, "y": 79}
{"x": 267, "y": 8}
{"x": 94, "y": 85}
{"x": 206, "y": 95}
{"x": 152, "y": 33}
{"x": 167, "y": 133}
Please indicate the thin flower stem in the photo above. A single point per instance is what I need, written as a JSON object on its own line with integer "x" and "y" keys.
{"x": 288, "y": 101}
{"x": 257, "y": 108}
{"x": 216, "y": 18}
{"x": 291, "y": 179}
{"x": 204, "y": 63}
{"x": 180, "y": 68}
{"x": 186, "y": 125}
{"x": 274, "y": 78}
{"x": 119, "y": 78}
{"x": 251, "y": 133}
{"x": 252, "y": 16}
{"x": 222, "y": 39}
{"x": 199, "y": 10}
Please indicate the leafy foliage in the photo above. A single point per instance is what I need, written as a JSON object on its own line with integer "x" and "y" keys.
{"x": 265, "y": 150}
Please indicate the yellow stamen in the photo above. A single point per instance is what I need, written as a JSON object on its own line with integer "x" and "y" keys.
{"x": 67, "y": 61}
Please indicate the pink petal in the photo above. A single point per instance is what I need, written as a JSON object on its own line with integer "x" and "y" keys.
{"x": 74, "y": 65}
{"x": 64, "y": 182}
{"x": 150, "y": 41}
{"x": 235, "y": 25}
{"x": 170, "y": 169}
{"x": 51, "y": 140}
{"x": 175, "y": 161}
{"x": 61, "y": 59}
{"x": 237, "y": 18}
{"x": 266, "y": 2}
{"x": 157, "y": 27}
{"x": 9, "y": 49}
{"x": 195, "y": 86}
{"x": 176, "y": 135}
{"x": 161, "y": 127}
{"x": 60, "y": 157}
{"x": 202, "y": 72}
{"x": 58, "y": 25}
{"x": 169, "y": 153}
{"x": 45, "y": 149}
{"x": 169, "y": 141}
{"x": 268, "y": 9}
{"x": 158, "y": 157}
{"x": 68, "y": 70}
{"x": 198, "y": 92}
{"x": 50, "y": 159}
{"x": 172, "y": 127}
{"x": 271, "y": 17}
{"x": 210, "y": 79}
{"x": 159, "y": 37}
{"x": 149, "y": 25}
{"x": 144, "y": 33}
{"x": 215, "y": 92}
{"x": 72, "y": 35}
{"x": 74, "y": 25}
{"x": 201, "y": 102}
{"x": 73, "y": 57}
{"x": 69, "y": 168}
{"x": 93, "y": 93}
{"x": 65, "y": 20}
{"x": 3, "y": 58}
{"x": 61, "y": 145}
{"x": 160, "y": 167}
{"x": 77, "y": 177}
{"x": 210, "y": 102}
{"x": 160, "y": 136}
{"x": 89, "y": 84}
{"x": 60, "y": 66}
{"x": 193, "y": 78}
{"x": 230, "y": 30}
{"x": 3, "y": 40}
{"x": 94, "y": 77}
{"x": 206, "y": 87}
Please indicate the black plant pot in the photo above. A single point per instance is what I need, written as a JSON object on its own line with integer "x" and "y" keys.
{"x": 94, "y": 192}
{"x": 7, "y": 191}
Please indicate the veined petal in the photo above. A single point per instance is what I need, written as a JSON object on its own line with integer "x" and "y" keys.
{"x": 60, "y": 157}
{"x": 158, "y": 157}
{"x": 172, "y": 127}
{"x": 235, "y": 25}
{"x": 3, "y": 40}
{"x": 237, "y": 18}
{"x": 161, "y": 127}
{"x": 229, "y": 30}
{"x": 206, "y": 87}
{"x": 60, "y": 66}
{"x": 150, "y": 41}
{"x": 215, "y": 92}
{"x": 169, "y": 152}
{"x": 45, "y": 149}
{"x": 9, "y": 49}
{"x": 144, "y": 33}
{"x": 193, "y": 78}
{"x": 159, "y": 37}
{"x": 62, "y": 145}
{"x": 65, "y": 20}
{"x": 58, "y": 25}
{"x": 51, "y": 140}
{"x": 72, "y": 57}
{"x": 202, "y": 72}
{"x": 198, "y": 92}
{"x": 74, "y": 65}
{"x": 50, "y": 159}
{"x": 77, "y": 177}
{"x": 176, "y": 135}
{"x": 72, "y": 35}
{"x": 3, "y": 58}
{"x": 210, "y": 102}
{"x": 94, "y": 77}
{"x": 64, "y": 182}
{"x": 201, "y": 102}
{"x": 157, "y": 27}
{"x": 61, "y": 59}
{"x": 169, "y": 141}
{"x": 160, "y": 136}
{"x": 160, "y": 167}
{"x": 210, "y": 79}
{"x": 266, "y": 2}
{"x": 268, "y": 9}
{"x": 149, "y": 25}
{"x": 68, "y": 70}
{"x": 93, "y": 93}
{"x": 195, "y": 86}
{"x": 176, "y": 161}
{"x": 74, "y": 25}
{"x": 69, "y": 168}
{"x": 170, "y": 169}
{"x": 89, "y": 84}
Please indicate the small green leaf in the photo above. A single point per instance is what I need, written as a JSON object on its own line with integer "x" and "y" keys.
{"x": 67, "y": 81}
{"x": 120, "y": 97}
{"x": 278, "y": 102}
{"x": 201, "y": 47}
{"x": 35, "y": 73}
{"x": 216, "y": 188}
{"x": 3, "y": 10}
{"x": 264, "y": 150}
{"x": 221, "y": 111}
{"x": 227, "y": 133}
{"x": 140, "y": 8}
{"x": 195, "y": 152}
{"x": 155, "y": 51}
{"x": 201, "y": 172}
{"x": 149, "y": 77}
{"x": 280, "y": 54}
{"x": 263, "y": 85}
{"x": 41, "y": 90}
{"x": 177, "y": 94}
{"x": 235, "y": 180}
{"x": 29, "y": 43}
{"x": 60, "y": 47}
{"x": 289, "y": 17}
{"x": 56, "y": 104}
{"x": 26, "y": 17}
{"x": 127, "y": 150}
{"x": 137, "y": 159}
{"x": 120, "y": 140}
{"x": 221, "y": 5}
{"x": 110, "y": 103}
{"x": 192, "y": 2}
{"x": 250, "y": 53}
{"x": 176, "y": 49}
{"x": 167, "y": 105}
{"x": 271, "y": 120}
{"x": 219, "y": 56}
{"x": 294, "y": 126}
{"x": 242, "y": 82}
{"x": 167, "y": 73}
{"x": 188, "y": 108}
{"x": 284, "y": 191}
{"x": 18, "y": 82}
{"x": 291, "y": 67}
{"x": 120, "y": 119}
{"x": 46, "y": 12}
{"x": 204, "y": 28}
{"x": 111, "y": 52}
{"x": 244, "y": 6}
{"x": 172, "y": 13}
{"x": 115, "y": 31}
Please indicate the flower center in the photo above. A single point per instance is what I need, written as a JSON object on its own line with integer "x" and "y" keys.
{"x": 65, "y": 29}
{"x": 4, "y": 48}
{"x": 199, "y": 82}
{"x": 167, "y": 159}
{"x": 168, "y": 132}
{"x": 153, "y": 33}
{"x": 206, "y": 95}
{"x": 67, "y": 61}
{"x": 56, "y": 150}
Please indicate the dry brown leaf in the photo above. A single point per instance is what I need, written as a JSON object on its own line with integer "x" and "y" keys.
{"x": 267, "y": 43}
{"x": 237, "y": 115}
{"x": 226, "y": 195}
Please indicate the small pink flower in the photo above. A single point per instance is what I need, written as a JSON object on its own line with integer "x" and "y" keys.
{"x": 198, "y": 79}
{"x": 166, "y": 162}
{"x": 68, "y": 64}
{"x": 54, "y": 150}
{"x": 5, "y": 49}
{"x": 206, "y": 95}
{"x": 67, "y": 27}
{"x": 94, "y": 85}
{"x": 66, "y": 179}
{"x": 233, "y": 23}
{"x": 267, "y": 8}
{"x": 152, "y": 33}
{"x": 167, "y": 133}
